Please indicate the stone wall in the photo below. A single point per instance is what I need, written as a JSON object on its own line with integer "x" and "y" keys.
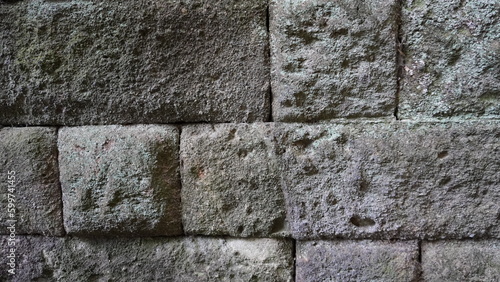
{"x": 250, "y": 140}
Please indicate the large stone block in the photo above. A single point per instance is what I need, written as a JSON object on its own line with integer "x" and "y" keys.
{"x": 146, "y": 259}
{"x": 30, "y": 182}
{"x": 402, "y": 180}
{"x": 231, "y": 181}
{"x": 452, "y": 59}
{"x": 357, "y": 261}
{"x": 359, "y": 180}
{"x": 120, "y": 180}
{"x": 333, "y": 59}
{"x": 109, "y": 62}
{"x": 461, "y": 261}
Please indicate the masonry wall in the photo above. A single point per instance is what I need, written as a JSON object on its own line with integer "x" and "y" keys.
{"x": 232, "y": 140}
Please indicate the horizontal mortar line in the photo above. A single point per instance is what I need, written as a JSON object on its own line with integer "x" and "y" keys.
{"x": 325, "y": 122}
{"x": 358, "y": 240}
{"x": 113, "y": 237}
{"x": 103, "y": 124}
{"x": 70, "y": 236}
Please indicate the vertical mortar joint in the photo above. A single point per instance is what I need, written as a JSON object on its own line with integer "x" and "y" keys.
{"x": 59, "y": 183}
{"x": 419, "y": 260}
{"x": 294, "y": 253}
{"x": 179, "y": 174}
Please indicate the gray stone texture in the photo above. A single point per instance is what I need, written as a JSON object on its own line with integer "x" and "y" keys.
{"x": 333, "y": 59}
{"x": 109, "y": 62}
{"x": 120, "y": 180}
{"x": 403, "y": 180}
{"x": 31, "y": 153}
{"x": 407, "y": 180}
{"x": 461, "y": 261}
{"x": 231, "y": 181}
{"x": 357, "y": 261}
{"x": 452, "y": 59}
{"x": 147, "y": 259}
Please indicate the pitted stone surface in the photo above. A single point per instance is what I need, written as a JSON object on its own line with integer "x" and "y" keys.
{"x": 424, "y": 188}
{"x": 401, "y": 180}
{"x": 31, "y": 154}
{"x": 109, "y": 62}
{"x": 375, "y": 180}
{"x": 231, "y": 181}
{"x": 452, "y": 59}
{"x": 150, "y": 259}
{"x": 357, "y": 261}
{"x": 461, "y": 261}
{"x": 120, "y": 180}
{"x": 333, "y": 59}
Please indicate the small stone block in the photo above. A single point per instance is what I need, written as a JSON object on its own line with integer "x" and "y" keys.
{"x": 333, "y": 59}
{"x": 452, "y": 59}
{"x": 231, "y": 181}
{"x": 31, "y": 197}
{"x": 357, "y": 261}
{"x": 120, "y": 180}
{"x": 447, "y": 261}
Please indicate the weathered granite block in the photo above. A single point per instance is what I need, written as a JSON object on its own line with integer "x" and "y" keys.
{"x": 146, "y": 259}
{"x": 109, "y": 62}
{"x": 401, "y": 180}
{"x": 120, "y": 180}
{"x": 231, "y": 181}
{"x": 30, "y": 182}
{"x": 461, "y": 261}
{"x": 357, "y": 261}
{"x": 333, "y": 59}
{"x": 452, "y": 59}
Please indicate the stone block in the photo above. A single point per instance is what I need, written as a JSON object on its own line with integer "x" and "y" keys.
{"x": 120, "y": 180}
{"x": 333, "y": 59}
{"x": 404, "y": 180}
{"x": 150, "y": 259}
{"x": 28, "y": 156}
{"x": 357, "y": 261}
{"x": 447, "y": 261}
{"x": 452, "y": 59}
{"x": 356, "y": 180}
{"x": 231, "y": 181}
{"x": 108, "y": 62}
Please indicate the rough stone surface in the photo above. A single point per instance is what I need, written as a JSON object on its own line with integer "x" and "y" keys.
{"x": 32, "y": 154}
{"x": 461, "y": 261}
{"x": 120, "y": 180}
{"x": 452, "y": 59}
{"x": 333, "y": 59}
{"x": 145, "y": 259}
{"x": 108, "y": 62}
{"x": 403, "y": 180}
{"x": 357, "y": 261}
{"x": 231, "y": 181}
{"x": 360, "y": 180}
